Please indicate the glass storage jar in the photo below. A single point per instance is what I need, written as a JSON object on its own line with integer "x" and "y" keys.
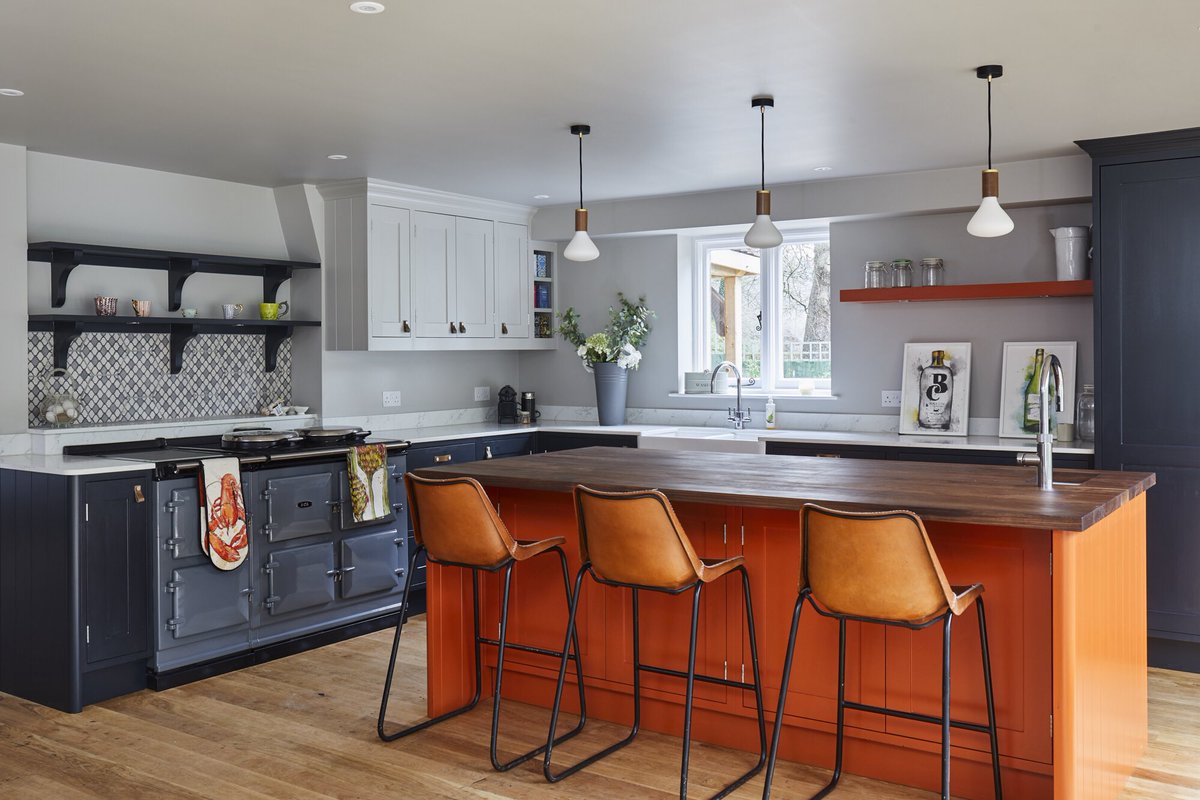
{"x": 902, "y": 274}
{"x": 933, "y": 272}
{"x": 1085, "y": 414}
{"x": 877, "y": 275}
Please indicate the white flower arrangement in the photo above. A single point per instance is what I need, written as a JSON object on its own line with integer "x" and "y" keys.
{"x": 628, "y": 327}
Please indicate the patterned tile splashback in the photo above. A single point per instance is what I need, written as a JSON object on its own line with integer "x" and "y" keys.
{"x": 125, "y": 377}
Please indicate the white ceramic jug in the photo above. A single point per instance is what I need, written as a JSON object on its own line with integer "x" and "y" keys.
{"x": 1071, "y": 252}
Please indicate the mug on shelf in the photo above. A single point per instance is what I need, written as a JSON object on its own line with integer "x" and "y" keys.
{"x": 272, "y": 310}
{"x": 141, "y": 308}
{"x": 231, "y": 310}
{"x": 190, "y": 313}
{"x": 106, "y": 306}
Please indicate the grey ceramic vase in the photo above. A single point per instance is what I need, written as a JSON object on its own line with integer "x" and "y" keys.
{"x": 612, "y": 383}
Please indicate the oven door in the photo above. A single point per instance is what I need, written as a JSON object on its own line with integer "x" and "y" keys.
{"x": 298, "y": 501}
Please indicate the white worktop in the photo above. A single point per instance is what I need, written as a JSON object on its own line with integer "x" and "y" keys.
{"x": 72, "y": 465}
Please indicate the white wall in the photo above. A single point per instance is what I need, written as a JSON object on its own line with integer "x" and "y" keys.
{"x": 14, "y": 401}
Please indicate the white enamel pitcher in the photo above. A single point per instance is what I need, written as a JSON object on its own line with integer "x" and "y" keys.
{"x": 1071, "y": 252}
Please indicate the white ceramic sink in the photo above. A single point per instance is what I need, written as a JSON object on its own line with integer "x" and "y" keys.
{"x": 714, "y": 440}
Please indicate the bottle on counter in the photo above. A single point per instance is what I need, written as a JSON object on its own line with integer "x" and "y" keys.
{"x": 770, "y": 415}
{"x": 1085, "y": 414}
{"x": 1032, "y": 418}
{"x": 937, "y": 393}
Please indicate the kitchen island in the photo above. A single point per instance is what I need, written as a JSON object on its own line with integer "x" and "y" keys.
{"x": 1065, "y": 585}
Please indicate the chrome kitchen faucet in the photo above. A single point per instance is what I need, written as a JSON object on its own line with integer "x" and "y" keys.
{"x": 737, "y": 416}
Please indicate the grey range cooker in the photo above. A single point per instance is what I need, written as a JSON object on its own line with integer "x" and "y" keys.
{"x": 312, "y": 574}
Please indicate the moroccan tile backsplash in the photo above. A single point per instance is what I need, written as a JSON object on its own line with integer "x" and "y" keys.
{"x": 125, "y": 377}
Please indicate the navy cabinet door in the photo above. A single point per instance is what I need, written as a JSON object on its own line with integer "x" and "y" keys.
{"x": 116, "y": 542}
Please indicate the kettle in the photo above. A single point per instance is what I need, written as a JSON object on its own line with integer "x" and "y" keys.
{"x": 1071, "y": 252}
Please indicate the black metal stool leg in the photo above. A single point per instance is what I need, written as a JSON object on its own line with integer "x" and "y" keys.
{"x": 991, "y": 703}
{"x": 500, "y": 648}
{"x": 946, "y": 706}
{"x": 387, "y": 684}
{"x": 783, "y": 690}
{"x": 690, "y": 694}
{"x": 841, "y": 713}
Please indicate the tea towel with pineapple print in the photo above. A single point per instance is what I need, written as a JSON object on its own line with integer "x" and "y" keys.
{"x": 366, "y": 470}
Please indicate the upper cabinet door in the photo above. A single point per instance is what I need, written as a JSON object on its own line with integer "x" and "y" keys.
{"x": 475, "y": 279}
{"x": 433, "y": 275}
{"x": 513, "y": 285}
{"x": 388, "y": 272}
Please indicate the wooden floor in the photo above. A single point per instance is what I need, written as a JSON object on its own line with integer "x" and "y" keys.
{"x": 304, "y": 727}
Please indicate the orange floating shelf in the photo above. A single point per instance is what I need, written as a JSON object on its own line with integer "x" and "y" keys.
{"x": 969, "y": 291}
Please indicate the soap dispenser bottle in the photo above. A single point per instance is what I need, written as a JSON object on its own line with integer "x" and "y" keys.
{"x": 770, "y": 415}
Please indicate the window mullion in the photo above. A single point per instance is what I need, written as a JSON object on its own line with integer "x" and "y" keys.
{"x": 772, "y": 303}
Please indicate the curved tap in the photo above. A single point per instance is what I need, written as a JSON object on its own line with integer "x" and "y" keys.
{"x": 1044, "y": 460}
{"x": 737, "y": 416}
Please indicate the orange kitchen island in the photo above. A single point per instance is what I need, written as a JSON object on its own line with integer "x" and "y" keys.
{"x": 1065, "y": 578}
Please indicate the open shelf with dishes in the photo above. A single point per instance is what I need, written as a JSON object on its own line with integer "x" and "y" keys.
{"x": 66, "y": 328}
{"x": 969, "y": 291}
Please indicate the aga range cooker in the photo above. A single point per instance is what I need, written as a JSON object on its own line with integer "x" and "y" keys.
{"x": 311, "y": 568}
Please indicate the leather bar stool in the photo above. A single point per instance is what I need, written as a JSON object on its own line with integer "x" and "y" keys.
{"x": 633, "y": 540}
{"x": 880, "y": 567}
{"x": 456, "y": 525}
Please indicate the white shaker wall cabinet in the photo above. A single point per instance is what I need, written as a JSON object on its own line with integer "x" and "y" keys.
{"x": 416, "y": 269}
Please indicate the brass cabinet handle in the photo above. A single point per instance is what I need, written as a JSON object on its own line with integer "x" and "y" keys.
{"x": 452, "y": 328}
{"x": 462, "y": 328}
{"x": 829, "y": 455}
{"x": 445, "y": 458}
{"x": 504, "y": 328}
{"x": 138, "y": 495}
{"x": 407, "y": 328}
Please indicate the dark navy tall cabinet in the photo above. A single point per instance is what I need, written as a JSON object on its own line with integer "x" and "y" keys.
{"x": 1146, "y": 267}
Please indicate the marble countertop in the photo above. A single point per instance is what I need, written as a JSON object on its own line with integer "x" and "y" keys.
{"x": 72, "y": 465}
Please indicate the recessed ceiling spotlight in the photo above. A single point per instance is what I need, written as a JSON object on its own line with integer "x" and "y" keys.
{"x": 337, "y": 157}
{"x": 541, "y": 197}
{"x": 12, "y": 92}
{"x": 822, "y": 169}
{"x": 367, "y": 7}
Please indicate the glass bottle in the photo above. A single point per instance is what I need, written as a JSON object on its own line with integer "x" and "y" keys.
{"x": 877, "y": 275}
{"x": 937, "y": 392}
{"x": 1032, "y": 418}
{"x": 902, "y": 274}
{"x": 933, "y": 272}
{"x": 1085, "y": 414}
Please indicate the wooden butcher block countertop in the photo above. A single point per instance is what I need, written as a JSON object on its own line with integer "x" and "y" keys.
{"x": 985, "y": 495}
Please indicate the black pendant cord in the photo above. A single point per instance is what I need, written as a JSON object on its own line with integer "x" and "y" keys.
{"x": 581, "y": 164}
{"x": 762, "y": 143}
{"x": 989, "y": 124}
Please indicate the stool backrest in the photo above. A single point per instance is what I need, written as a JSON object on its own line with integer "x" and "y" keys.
{"x": 634, "y": 538}
{"x": 455, "y": 521}
{"x": 873, "y": 564}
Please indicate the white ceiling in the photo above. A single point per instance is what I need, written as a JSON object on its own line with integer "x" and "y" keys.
{"x": 475, "y": 96}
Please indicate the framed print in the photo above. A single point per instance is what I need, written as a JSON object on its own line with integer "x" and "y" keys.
{"x": 936, "y": 388}
{"x": 1019, "y": 410}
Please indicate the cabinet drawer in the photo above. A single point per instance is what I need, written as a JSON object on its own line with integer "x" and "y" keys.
{"x": 826, "y": 450}
{"x": 436, "y": 455}
{"x": 505, "y": 446}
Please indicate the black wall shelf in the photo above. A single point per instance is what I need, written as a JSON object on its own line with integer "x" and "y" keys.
{"x": 67, "y": 328}
{"x": 64, "y": 257}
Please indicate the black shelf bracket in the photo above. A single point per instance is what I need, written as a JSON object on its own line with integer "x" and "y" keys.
{"x": 180, "y": 336}
{"x": 273, "y": 278}
{"x": 178, "y": 272}
{"x": 271, "y": 344}
{"x": 64, "y": 334}
{"x": 62, "y": 261}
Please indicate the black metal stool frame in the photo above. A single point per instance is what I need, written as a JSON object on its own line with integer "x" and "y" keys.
{"x": 842, "y": 703}
{"x": 572, "y": 642}
{"x": 638, "y": 668}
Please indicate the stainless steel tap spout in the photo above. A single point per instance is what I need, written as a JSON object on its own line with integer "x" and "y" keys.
{"x": 737, "y": 416}
{"x": 1044, "y": 460}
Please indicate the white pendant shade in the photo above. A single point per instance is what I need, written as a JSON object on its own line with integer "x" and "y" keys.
{"x": 763, "y": 234}
{"x": 990, "y": 220}
{"x": 581, "y": 248}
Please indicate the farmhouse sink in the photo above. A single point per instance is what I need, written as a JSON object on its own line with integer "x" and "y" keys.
{"x": 714, "y": 440}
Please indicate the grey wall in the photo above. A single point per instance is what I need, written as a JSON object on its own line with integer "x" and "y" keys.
{"x": 868, "y": 338}
{"x": 13, "y": 314}
{"x": 636, "y": 266}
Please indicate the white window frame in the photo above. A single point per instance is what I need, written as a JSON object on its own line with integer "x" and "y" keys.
{"x": 772, "y": 304}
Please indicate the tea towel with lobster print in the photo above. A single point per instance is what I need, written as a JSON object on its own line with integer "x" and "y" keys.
{"x": 224, "y": 534}
{"x": 366, "y": 469}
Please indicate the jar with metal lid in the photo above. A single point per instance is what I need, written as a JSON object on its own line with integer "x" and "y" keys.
{"x": 902, "y": 274}
{"x": 877, "y": 275}
{"x": 1085, "y": 414}
{"x": 933, "y": 272}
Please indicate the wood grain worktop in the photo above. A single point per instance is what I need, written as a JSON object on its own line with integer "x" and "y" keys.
{"x": 986, "y": 495}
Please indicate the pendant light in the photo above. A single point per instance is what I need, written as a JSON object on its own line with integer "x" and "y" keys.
{"x": 990, "y": 219}
{"x": 763, "y": 234}
{"x": 581, "y": 247}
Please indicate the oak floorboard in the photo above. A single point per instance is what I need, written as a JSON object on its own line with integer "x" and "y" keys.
{"x": 304, "y": 727}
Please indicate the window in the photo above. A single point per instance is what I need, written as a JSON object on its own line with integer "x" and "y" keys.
{"x": 766, "y": 311}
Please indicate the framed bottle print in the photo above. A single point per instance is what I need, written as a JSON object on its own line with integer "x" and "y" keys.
{"x": 936, "y": 388}
{"x": 1020, "y": 412}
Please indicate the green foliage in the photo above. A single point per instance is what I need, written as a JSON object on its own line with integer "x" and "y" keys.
{"x": 628, "y": 328}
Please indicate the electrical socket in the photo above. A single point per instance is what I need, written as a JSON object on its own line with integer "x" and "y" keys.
{"x": 483, "y": 393}
{"x": 391, "y": 399}
{"x": 890, "y": 399}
